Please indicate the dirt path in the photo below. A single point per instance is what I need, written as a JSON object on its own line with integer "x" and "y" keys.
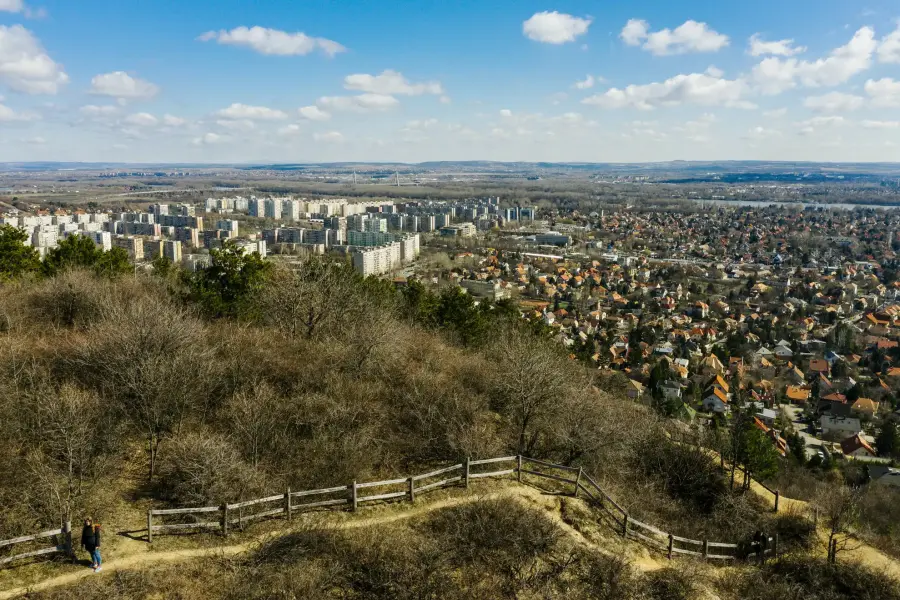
{"x": 145, "y": 557}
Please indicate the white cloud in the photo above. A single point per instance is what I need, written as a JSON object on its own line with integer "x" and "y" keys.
{"x": 761, "y": 133}
{"x": 37, "y": 141}
{"x": 759, "y": 47}
{"x": 273, "y": 42}
{"x": 361, "y": 103}
{"x": 120, "y": 84}
{"x": 811, "y": 126}
{"x": 880, "y": 124}
{"x": 292, "y": 129}
{"x": 776, "y": 113}
{"x": 142, "y": 119}
{"x": 420, "y": 124}
{"x": 585, "y": 84}
{"x": 390, "y": 83}
{"x": 889, "y": 48}
{"x": 635, "y": 32}
{"x": 173, "y": 121}
{"x": 776, "y": 75}
{"x": 210, "y": 139}
{"x": 884, "y": 92}
{"x": 237, "y": 124}
{"x": 8, "y": 115}
{"x": 25, "y": 65}
{"x": 13, "y": 6}
{"x": 555, "y": 27}
{"x": 506, "y": 112}
{"x": 238, "y": 111}
{"x": 313, "y": 113}
{"x": 330, "y": 137}
{"x": 92, "y": 110}
{"x": 445, "y": 100}
{"x": 689, "y": 37}
{"x": 703, "y": 89}
{"x": 834, "y": 102}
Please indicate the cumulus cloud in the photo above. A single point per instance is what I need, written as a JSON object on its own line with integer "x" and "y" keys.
{"x": 273, "y": 42}
{"x": 775, "y": 75}
{"x": 834, "y": 102}
{"x": 587, "y": 83}
{"x": 689, "y": 37}
{"x": 362, "y": 103}
{"x": 24, "y": 64}
{"x": 758, "y": 47}
{"x": 237, "y": 125}
{"x": 761, "y": 133}
{"x": 555, "y": 27}
{"x": 292, "y": 129}
{"x": 13, "y": 6}
{"x": 889, "y": 48}
{"x": 811, "y": 126}
{"x": 880, "y": 124}
{"x": 884, "y": 92}
{"x": 209, "y": 139}
{"x": 329, "y": 137}
{"x": 238, "y": 111}
{"x": 704, "y": 89}
{"x": 8, "y": 115}
{"x": 390, "y": 83}
{"x": 173, "y": 121}
{"x": 775, "y": 113}
{"x": 313, "y": 113}
{"x": 92, "y": 110}
{"x": 120, "y": 84}
{"x": 142, "y": 119}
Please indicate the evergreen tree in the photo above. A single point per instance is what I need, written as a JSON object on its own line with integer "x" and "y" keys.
{"x": 226, "y": 287}
{"x": 16, "y": 259}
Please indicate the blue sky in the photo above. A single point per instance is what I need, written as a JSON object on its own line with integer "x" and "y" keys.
{"x": 317, "y": 80}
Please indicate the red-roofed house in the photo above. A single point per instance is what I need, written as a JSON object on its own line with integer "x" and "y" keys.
{"x": 857, "y": 446}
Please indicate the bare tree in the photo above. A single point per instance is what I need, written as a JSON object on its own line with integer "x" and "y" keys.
{"x": 70, "y": 436}
{"x": 531, "y": 380}
{"x": 255, "y": 419}
{"x": 151, "y": 357}
{"x": 839, "y": 508}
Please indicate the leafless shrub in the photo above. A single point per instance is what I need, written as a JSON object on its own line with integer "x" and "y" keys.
{"x": 202, "y": 469}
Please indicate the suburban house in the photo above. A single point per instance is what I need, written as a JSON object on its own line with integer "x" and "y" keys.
{"x": 840, "y": 425}
{"x": 856, "y": 446}
{"x": 865, "y": 407}
{"x": 716, "y": 401}
{"x": 796, "y": 394}
{"x": 635, "y": 389}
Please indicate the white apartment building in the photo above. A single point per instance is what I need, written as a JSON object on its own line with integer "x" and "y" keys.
{"x": 376, "y": 261}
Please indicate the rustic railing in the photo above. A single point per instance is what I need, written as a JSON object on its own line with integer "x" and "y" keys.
{"x": 63, "y": 544}
{"x": 356, "y": 493}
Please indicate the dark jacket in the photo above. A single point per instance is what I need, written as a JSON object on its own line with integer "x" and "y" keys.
{"x": 90, "y": 537}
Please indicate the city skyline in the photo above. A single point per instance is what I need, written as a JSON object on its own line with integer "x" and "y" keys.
{"x": 527, "y": 81}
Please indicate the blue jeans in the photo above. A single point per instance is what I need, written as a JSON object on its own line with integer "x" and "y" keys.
{"x": 96, "y": 558}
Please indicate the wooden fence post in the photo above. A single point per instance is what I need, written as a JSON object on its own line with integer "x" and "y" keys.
{"x": 353, "y": 500}
{"x": 519, "y": 468}
{"x": 705, "y": 549}
{"x": 287, "y": 504}
{"x": 149, "y": 526}
{"x": 671, "y": 545}
{"x": 625, "y": 526}
{"x": 777, "y": 498}
{"x": 225, "y": 520}
{"x": 578, "y": 481}
{"x": 412, "y": 489}
{"x": 466, "y": 473}
{"x": 67, "y": 538}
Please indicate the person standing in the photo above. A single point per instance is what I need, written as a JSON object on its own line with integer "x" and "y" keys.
{"x": 90, "y": 541}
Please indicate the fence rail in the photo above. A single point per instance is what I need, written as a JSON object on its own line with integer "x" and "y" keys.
{"x": 622, "y": 521}
{"x": 63, "y": 546}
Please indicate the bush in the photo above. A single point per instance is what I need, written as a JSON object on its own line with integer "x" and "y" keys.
{"x": 200, "y": 469}
{"x": 670, "y": 584}
{"x": 688, "y": 474}
{"x": 814, "y": 579}
{"x": 795, "y": 530}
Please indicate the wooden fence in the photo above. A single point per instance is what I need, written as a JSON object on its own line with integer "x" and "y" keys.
{"x": 459, "y": 474}
{"x": 63, "y": 544}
